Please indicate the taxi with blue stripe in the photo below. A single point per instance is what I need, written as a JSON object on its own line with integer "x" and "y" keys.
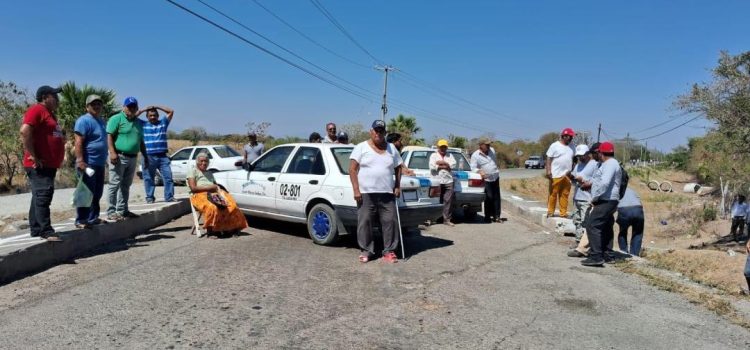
{"x": 309, "y": 183}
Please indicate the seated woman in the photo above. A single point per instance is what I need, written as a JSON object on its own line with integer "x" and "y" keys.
{"x": 220, "y": 212}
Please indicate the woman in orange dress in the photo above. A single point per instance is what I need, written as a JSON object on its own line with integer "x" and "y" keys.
{"x": 218, "y": 219}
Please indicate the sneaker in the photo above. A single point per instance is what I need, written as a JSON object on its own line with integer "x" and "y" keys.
{"x": 114, "y": 217}
{"x": 129, "y": 215}
{"x": 149, "y": 201}
{"x": 575, "y": 254}
{"x": 390, "y": 257}
{"x": 592, "y": 262}
{"x": 51, "y": 237}
{"x": 97, "y": 221}
{"x": 170, "y": 200}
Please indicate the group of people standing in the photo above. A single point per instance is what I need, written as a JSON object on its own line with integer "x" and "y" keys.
{"x": 116, "y": 141}
{"x": 600, "y": 192}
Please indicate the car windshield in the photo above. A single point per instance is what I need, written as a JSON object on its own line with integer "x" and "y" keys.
{"x": 226, "y": 151}
{"x": 342, "y": 158}
{"x": 421, "y": 160}
{"x": 534, "y": 158}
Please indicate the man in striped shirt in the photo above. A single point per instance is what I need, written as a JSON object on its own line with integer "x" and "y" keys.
{"x": 155, "y": 138}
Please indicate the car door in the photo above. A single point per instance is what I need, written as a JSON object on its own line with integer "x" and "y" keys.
{"x": 301, "y": 179}
{"x": 179, "y": 164}
{"x": 258, "y": 189}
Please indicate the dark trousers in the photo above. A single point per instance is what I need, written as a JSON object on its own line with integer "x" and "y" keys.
{"x": 446, "y": 199}
{"x": 738, "y": 226}
{"x": 492, "y": 200}
{"x": 747, "y": 271}
{"x": 95, "y": 183}
{"x": 373, "y": 208}
{"x": 628, "y": 217}
{"x": 600, "y": 229}
{"x": 42, "y": 182}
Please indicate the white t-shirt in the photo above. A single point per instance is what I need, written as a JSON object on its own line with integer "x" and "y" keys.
{"x": 376, "y": 170}
{"x": 563, "y": 158}
{"x": 443, "y": 176}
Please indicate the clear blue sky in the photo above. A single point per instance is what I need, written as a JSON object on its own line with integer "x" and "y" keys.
{"x": 543, "y": 64}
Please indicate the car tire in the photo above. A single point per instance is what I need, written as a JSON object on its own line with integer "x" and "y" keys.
{"x": 470, "y": 215}
{"x": 322, "y": 224}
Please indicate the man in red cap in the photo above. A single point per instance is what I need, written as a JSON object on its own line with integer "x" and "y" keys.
{"x": 43, "y": 150}
{"x": 605, "y": 195}
{"x": 558, "y": 165}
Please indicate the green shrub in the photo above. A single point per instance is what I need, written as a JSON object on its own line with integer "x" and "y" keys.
{"x": 709, "y": 213}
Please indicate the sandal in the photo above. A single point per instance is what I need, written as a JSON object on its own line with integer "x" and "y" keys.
{"x": 51, "y": 237}
{"x": 83, "y": 226}
{"x": 364, "y": 258}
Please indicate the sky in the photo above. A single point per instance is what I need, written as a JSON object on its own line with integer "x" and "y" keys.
{"x": 515, "y": 69}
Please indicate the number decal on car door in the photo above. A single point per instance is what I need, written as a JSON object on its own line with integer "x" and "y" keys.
{"x": 288, "y": 191}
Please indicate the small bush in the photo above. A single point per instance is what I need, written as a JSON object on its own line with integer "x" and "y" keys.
{"x": 513, "y": 187}
{"x": 709, "y": 213}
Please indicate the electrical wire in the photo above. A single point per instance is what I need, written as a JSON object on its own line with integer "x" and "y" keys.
{"x": 308, "y": 38}
{"x": 247, "y": 41}
{"x": 670, "y": 130}
{"x": 341, "y": 28}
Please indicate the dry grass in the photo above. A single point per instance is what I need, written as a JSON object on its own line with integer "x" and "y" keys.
{"x": 716, "y": 303}
{"x": 712, "y": 268}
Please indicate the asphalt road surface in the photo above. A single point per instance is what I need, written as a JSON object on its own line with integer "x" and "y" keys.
{"x": 475, "y": 286}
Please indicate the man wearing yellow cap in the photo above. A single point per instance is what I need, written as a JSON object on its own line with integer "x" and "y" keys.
{"x": 441, "y": 164}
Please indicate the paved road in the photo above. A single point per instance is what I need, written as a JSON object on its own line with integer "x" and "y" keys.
{"x": 477, "y": 286}
{"x": 520, "y": 173}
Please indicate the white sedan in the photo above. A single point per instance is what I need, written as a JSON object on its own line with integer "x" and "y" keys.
{"x": 222, "y": 158}
{"x": 309, "y": 183}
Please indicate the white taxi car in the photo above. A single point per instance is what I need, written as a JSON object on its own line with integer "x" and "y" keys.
{"x": 309, "y": 183}
{"x": 468, "y": 185}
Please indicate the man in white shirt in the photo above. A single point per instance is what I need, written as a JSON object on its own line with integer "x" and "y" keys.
{"x": 441, "y": 166}
{"x": 739, "y": 217}
{"x": 331, "y": 136}
{"x": 372, "y": 166}
{"x": 484, "y": 161}
{"x": 558, "y": 165}
{"x": 582, "y": 198}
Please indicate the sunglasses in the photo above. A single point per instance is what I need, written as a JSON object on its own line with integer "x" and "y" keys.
{"x": 331, "y": 129}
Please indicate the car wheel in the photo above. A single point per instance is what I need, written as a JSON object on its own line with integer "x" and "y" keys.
{"x": 470, "y": 214}
{"x": 322, "y": 224}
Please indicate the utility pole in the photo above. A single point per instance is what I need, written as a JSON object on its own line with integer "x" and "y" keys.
{"x": 599, "y": 134}
{"x": 384, "y": 106}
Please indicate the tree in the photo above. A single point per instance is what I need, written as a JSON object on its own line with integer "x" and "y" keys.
{"x": 13, "y": 103}
{"x": 725, "y": 101}
{"x": 73, "y": 104}
{"x": 457, "y": 141}
{"x": 407, "y": 127}
{"x": 356, "y": 131}
{"x": 259, "y": 129}
{"x": 194, "y": 134}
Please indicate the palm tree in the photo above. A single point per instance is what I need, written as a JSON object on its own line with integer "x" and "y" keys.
{"x": 73, "y": 104}
{"x": 407, "y": 127}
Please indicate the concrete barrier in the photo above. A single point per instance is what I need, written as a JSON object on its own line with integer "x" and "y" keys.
{"x": 535, "y": 212}
{"x": 37, "y": 254}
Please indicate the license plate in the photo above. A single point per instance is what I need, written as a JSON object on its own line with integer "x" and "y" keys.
{"x": 410, "y": 195}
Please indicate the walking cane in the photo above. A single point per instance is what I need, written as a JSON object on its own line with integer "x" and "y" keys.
{"x": 400, "y": 235}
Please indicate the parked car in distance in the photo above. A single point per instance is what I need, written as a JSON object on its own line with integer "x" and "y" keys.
{"x": 309, "y": 183}
{"x": 534, "y": 162}
{"x": 468, "y": 185}
{"x": 222, "y": 158}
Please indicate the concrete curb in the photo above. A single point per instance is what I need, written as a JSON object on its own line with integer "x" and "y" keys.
{"x": 536, "y": 212}
{"x": 43, "y": 255}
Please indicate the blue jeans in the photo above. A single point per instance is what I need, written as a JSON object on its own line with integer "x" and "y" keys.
{"x": 161, "y": 162}
{"x": 630, "y": 217}
{"x": 88, "y": 215}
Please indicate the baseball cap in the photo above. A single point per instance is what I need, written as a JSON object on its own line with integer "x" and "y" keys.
{"x": 92, "y": 98}
{"x": 442, "y": 142}
{"x": 130, "y": 101}
{"x": 581, "y": 150}
{"x": 568, "y": 131}
{"x": 342, "y": 135}
{"x": 607, "y": 147}
{"x": 484, "y": 141}
{"x": 392, "y": 137}
{"x": 378, "y": 124}
{"x": 46, "y": 90}
{"x": 595, "y": 147}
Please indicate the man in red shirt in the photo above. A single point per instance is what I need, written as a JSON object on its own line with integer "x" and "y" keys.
{"x": 43, "y": 150}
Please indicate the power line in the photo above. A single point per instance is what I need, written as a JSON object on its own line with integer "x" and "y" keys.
{"x": 341, "y": 28}
{"x": 670, "y": 130}
{"x": 247, "y": 41}
{"x": 285, "y": 49}
{"x": 274, "y": 15}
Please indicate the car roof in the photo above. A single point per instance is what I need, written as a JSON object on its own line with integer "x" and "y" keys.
{"x": 318, "y": 145}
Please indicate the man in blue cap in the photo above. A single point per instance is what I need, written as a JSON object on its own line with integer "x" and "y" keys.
{"x": 125, "y": 140}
